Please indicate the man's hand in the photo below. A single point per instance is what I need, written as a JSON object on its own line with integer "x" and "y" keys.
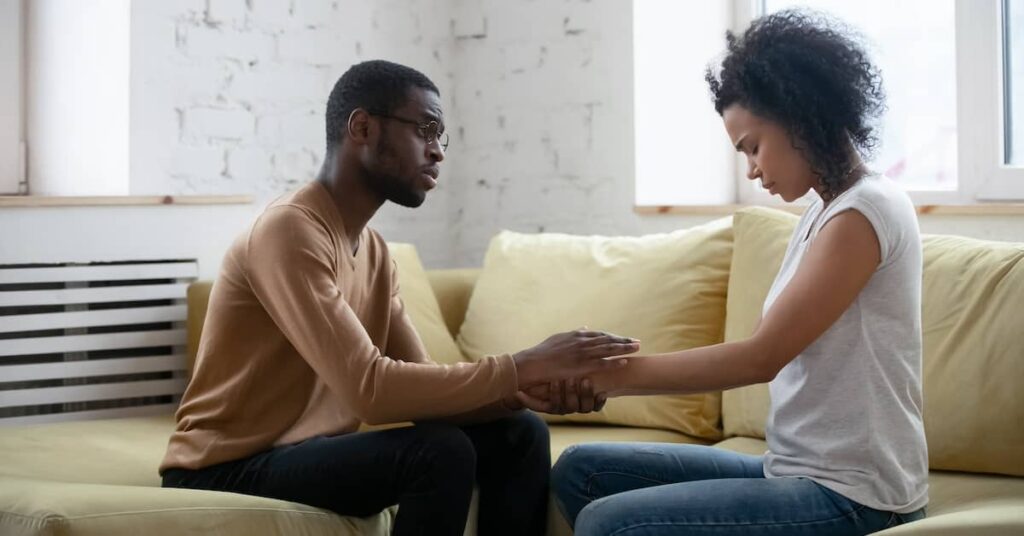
{"x": 562, "y": 397}
{"x": 572, "y": 354}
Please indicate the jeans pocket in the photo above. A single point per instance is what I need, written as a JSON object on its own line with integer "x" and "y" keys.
{"x": 894, "y": 521}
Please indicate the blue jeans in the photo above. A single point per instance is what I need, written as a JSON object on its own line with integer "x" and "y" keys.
{"x": 652, "y": 488}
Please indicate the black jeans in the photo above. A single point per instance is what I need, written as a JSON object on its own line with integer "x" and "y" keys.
{"x": 428, "y": 470}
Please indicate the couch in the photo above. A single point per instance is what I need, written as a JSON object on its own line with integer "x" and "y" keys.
{"x": 692, "y": 287}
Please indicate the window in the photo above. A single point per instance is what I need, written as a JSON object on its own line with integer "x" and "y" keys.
{"x": 913, "y": 42}
{"x": 11, "y": 162}
{"x": 953, "y": 71}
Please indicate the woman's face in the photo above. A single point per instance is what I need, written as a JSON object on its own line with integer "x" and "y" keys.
{"x": 771, "y": 157}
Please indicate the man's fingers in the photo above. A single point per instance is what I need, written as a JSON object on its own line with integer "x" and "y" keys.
{"x": 599, "y": 401}
{"x": 533, "y": 403}
{"x": 572, "y": 400}
{"x": 612, "y": 349}
{"x": 586, "y": 396}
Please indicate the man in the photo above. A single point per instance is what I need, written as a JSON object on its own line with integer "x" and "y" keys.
{"x": 306, "y": 338}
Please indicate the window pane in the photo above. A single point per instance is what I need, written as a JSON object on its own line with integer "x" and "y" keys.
{"x": 913, "y": 43}
{"x": 1013, "y": 71}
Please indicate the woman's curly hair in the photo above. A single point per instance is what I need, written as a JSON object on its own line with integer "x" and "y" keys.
{"x": 810, "y": 74}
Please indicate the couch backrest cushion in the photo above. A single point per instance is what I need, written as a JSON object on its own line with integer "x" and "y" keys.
{"x": 759, "y": 243}
{"x": 668, "y": 290}
{"x": 414, "y": 288}
{"x": 972, "y": 305}
{"x": 421, "y": 305}
{"x": 973, "y": 323}
{"x": 452, "y": 288}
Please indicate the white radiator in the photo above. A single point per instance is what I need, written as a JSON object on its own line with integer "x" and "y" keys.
{"x": 92, "y": 341}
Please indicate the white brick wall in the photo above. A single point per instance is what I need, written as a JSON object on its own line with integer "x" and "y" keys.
{"x": 228, "y": 97}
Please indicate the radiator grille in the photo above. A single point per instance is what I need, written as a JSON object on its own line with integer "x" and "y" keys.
{"x": 91, "y": 341}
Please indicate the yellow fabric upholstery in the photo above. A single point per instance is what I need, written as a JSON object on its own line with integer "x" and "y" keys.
{"x": 198, "y": 297}
{"x": 959, "y": 504}
{"x": 760, "y": 236}
{"x": 973, "y": 315}
{"x": 667, "y": 290}
{"x": 421, "y": 305}
{"x": 100, "y": 478}
{"x": 453, "y": 288}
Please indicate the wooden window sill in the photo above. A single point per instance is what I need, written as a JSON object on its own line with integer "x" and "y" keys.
{"x": 980, "y": 209}
{"x": 121, "y": 200}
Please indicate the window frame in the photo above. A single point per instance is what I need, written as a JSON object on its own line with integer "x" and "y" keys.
{"x": 982, "y": 175}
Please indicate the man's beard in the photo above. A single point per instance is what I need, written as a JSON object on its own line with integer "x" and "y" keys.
{"x": 390, "y": 186}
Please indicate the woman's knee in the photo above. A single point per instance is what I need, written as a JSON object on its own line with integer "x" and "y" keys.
{"x": 574, "y": 466}
{"x": 601, "y": 517}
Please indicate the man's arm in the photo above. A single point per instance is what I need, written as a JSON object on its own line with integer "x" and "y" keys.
{"x": 289, "y": 260}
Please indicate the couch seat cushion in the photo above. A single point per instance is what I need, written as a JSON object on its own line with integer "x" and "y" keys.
{"x": 668, "y": 290}
{"x": 959, "y": 503}
{"x": 45, "y": 508}
{"x": 100, "y": 478}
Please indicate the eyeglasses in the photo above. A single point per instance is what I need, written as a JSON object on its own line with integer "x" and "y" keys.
{"x": 429, "y": 131}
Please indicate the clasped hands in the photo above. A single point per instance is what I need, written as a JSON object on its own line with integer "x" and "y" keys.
{"x": 552, "y": 376}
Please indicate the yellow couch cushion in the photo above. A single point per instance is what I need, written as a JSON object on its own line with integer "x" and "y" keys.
{"x": 44, "y": 508}
{"x": 452, "y": 288}
{"x": 668, "y": 290}
{"x": 973, "y": 303}
{"x": 421, "y": 305}
{"x": 100, "y": 478}
{"x": 972, "y": 296}
{"x": 958, "y": 503}
{"x": 760, "y": 236}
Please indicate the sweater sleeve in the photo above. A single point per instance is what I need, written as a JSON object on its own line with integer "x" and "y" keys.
{"x": 290, "y": 266}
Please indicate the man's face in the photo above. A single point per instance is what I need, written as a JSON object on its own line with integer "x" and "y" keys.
{"x": 404, "y": 166}
{"x": 771, "y": 157}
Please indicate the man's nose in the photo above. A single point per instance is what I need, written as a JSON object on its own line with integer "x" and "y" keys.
{"x": 435, "y": 151}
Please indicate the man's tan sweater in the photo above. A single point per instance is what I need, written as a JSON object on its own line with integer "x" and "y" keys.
{"x": 302, "y": 338}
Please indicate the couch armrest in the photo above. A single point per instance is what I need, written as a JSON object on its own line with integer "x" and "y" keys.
{"x": 197, "y": 298}
{"x": 453, "y": 288}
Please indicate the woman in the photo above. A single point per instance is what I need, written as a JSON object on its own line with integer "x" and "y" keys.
{"x": 839, "y": 339}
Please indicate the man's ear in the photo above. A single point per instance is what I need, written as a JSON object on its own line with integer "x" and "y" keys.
{"x": 358, "y": 126}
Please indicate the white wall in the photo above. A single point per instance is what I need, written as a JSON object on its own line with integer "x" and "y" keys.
{"x": 228, "y": 98}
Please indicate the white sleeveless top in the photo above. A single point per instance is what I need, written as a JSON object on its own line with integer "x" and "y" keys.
{"x": 847, "y": 412}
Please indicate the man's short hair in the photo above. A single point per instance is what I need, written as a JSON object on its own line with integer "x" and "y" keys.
{"x": 377, "y": 86}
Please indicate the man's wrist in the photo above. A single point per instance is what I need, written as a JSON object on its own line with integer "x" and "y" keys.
{"x": 524, "y": 370}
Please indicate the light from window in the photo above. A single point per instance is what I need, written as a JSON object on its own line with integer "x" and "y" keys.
{"x": 1013, "y": 81}
{"x": 913, "y": 43}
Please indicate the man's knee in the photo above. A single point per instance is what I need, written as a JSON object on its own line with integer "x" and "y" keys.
{"x": 530, "y": 432}
{"x": 446, "y": 450}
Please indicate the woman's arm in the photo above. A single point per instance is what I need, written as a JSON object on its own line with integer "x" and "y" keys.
{"x": 832, "y": 273}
